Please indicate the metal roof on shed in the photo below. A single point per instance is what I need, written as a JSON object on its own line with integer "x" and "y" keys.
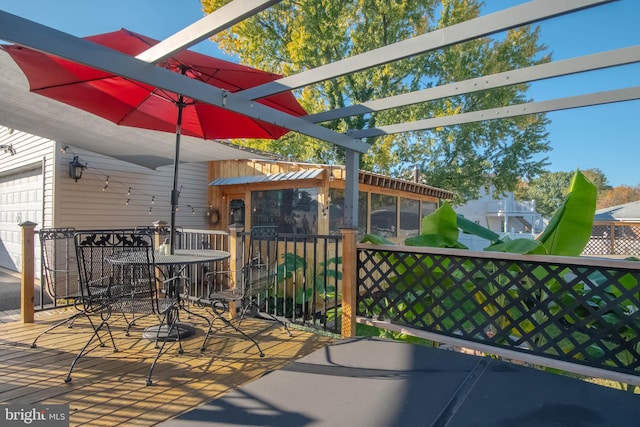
{"x": 251, "y": 179}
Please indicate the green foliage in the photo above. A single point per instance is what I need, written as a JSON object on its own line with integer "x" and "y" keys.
{"x": 294, "y": 36}
{"x": 441, "y": 221}
{"x": 292, "y": 270}
{"x": 439, "y": 229}
{"x": 550, "y": 189}
{"x": 570, "y": 229}
{"x": 517, "y": 246}
{"x": 471, "y": 227}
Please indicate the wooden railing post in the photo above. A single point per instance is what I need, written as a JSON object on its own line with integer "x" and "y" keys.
{"x": 158, "y": 240}
{"x": 349, "y": 285}
{"x": 160, "y": 227}
{"x": 612, "y": 239}
{"x": 235, "y": 261}
{"x": 27, "y": 270}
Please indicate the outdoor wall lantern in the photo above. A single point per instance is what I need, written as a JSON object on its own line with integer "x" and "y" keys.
{"x": 76, "y": 168}
{"x": 8, "y": 148}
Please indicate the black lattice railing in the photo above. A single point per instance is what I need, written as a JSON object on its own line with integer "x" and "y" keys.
{"x": 572, "y": 309}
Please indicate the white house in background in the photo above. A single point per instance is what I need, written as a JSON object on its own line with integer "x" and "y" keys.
{"x": 504, "y": 215}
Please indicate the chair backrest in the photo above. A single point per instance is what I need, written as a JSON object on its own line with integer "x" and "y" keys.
{"x": 59, "y": 271}
{"x": 261, "y": 269}
{"x": 114, "y": 264}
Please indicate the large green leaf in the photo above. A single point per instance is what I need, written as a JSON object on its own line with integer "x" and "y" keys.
{"x": 518, "y": 246}
{"x": 434, "y": 241}
{"x": 442, "y": 221}
{"x": 476, "y": 229}
{"x": 570, "y": 227}
{"x": 376, "y": 240}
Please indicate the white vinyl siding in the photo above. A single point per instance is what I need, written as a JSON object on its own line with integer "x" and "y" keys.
{"x": 26, "y": 189}
{"x": 88, "y": 204}
{"x": 48, "y": 197}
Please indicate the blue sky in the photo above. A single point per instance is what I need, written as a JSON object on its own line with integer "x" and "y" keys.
{"x": 603, "y": 137}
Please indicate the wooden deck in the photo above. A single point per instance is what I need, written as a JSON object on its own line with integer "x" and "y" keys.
{"x": 108, "y": 389}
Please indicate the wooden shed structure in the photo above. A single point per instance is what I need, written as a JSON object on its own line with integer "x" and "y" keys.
{"x": 309, "y": 198}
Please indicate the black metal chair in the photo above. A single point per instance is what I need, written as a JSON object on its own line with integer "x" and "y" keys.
{"x": 59, "y": 273}
{"x": 255, "y": 280}
{"x": 117, "y": 275}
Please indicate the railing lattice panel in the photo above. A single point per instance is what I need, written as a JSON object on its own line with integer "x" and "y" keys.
{"x": 573, "y": 312}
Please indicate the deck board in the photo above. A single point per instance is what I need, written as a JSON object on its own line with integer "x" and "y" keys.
{"x": 108, "y": 388}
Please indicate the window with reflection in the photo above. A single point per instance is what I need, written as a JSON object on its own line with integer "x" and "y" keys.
{"x": 293, "y": 210}
{"x": 409, "y": 217}
{"x": 336, "y": 211}
{"x": 428, "y": 207}
{"x": 383, "y": 216}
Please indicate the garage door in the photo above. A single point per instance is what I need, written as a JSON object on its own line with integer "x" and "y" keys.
{"x": 20, "y": 200}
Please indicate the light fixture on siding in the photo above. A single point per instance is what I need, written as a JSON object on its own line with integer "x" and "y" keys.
{"x": 76, "y": 168}
{"x": 8, "y": 149}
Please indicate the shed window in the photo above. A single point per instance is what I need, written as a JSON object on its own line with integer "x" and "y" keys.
{"x": 409, "y": 217}
{"x": 384, "y": 219}
{"x": 428, "y": 207}
{"x": 336, "y": 211}
{"x": 293, "y": 210}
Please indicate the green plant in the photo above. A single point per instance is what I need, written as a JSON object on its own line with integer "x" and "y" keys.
{"x": 325, "y": 285}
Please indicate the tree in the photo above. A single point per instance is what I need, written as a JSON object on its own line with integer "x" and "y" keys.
{"x": 293, "y": 36}
{"x": 618, "y": 196}
{"x": 549, "y": 189}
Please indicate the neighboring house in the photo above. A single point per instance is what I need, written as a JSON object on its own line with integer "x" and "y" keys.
{"x": 626, "y": 212}
{"x": 504, "y": 215}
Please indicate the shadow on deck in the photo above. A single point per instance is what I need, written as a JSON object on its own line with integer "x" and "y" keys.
{"x": 109, "y": 388}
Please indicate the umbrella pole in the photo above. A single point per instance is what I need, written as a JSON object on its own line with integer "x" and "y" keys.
{"x": 175, "y": 194}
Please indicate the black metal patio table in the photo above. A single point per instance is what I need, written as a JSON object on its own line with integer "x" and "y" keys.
{"x": 173, "y": 266}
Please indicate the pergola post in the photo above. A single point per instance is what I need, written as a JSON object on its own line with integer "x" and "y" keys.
{"x": 27, "y": 269}
{"x": 352, "y": 169}
{"x": 235, "y": 261}
{"x": 349, "y": 284}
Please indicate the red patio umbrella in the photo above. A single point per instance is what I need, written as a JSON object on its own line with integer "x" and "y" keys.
{"x": 132, "y": 103}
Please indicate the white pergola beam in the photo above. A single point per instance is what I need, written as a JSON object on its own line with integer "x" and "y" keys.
{"x": 485, "y": 25}
{"x": 219, "y": 20}
{"x": 36, "y": 36}
{"x": 565, "y": 67}
{"x": 607, "y": 97}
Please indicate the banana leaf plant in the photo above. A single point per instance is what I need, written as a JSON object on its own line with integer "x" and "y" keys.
{"x": 292, "y": 271}
{"x": 567, "y": 233}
